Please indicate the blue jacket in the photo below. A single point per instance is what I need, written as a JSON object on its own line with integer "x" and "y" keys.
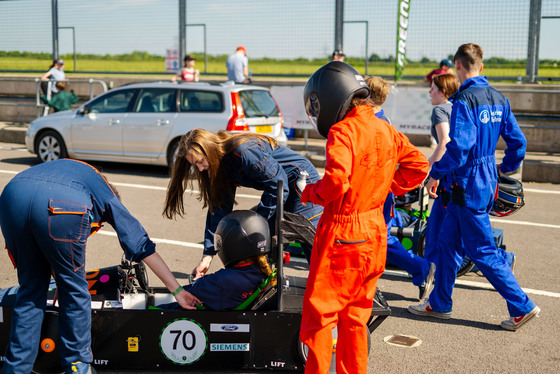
{"x": 103, "y": 203}
{"x": 256, "y": 165}
{"x": 479, "y": 117}
{"x": 227, "y": 288}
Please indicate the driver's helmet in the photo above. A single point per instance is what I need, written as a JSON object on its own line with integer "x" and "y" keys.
{"x": 509, "y": 197}
{"x": 328, "y": 93}
{"x": 409, "y": 197}
{"x": 241, "y": 234}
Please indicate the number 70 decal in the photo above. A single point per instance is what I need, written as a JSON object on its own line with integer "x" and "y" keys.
{"x": 183, "y": 341}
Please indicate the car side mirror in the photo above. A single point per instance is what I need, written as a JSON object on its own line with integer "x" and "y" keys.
{"x": 82, "y": 111}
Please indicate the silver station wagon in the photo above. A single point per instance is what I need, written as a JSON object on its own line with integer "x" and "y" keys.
{"x": 143, "y": 122}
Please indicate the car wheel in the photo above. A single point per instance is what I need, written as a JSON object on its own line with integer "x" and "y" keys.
{"x": 50, "y": 147}
{"x": 172, "y": 152}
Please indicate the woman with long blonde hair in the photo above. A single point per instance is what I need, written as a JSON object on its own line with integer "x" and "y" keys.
{"x": 220, "y": 162}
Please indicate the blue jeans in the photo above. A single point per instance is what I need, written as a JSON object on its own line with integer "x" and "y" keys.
{"x": 46, "y": 226}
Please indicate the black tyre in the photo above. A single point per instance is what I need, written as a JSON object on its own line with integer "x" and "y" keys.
{"x": 50, "y": 146}
{"x": 465, "y": 267}
{"x": 172, "y": 152}
{"x": 141, "y": 275}
{"x": 48, "y": 358}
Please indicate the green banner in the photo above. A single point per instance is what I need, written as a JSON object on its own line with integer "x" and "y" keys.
{"x": 402, "y": 29}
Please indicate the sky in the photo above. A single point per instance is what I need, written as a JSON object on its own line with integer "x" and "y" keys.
{"x": 278, "y": 29}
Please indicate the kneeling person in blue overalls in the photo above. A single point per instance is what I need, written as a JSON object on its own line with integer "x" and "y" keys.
{"x": 47, "y": 213}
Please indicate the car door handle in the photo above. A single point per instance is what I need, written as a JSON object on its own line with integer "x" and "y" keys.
{"x": 114, "y": 121}
{"x": 161, "y": 122}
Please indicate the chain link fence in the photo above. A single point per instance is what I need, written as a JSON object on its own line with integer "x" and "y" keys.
{"x": 284, "y": 38}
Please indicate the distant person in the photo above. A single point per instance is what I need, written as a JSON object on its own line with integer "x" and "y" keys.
{"x": 479, "y": 117}
{"x": 338, "y": 55}
{"x": 238, "y": 66}
{"x": 445, "y": 67}
{"x": 422, "y": 271}
{"x": 55, "y": 74}
{"x": 379, "y": 88}
{"x": 188, "y": 73}
{"x": 443, "y": 86}
{"x": 62, "y": 100}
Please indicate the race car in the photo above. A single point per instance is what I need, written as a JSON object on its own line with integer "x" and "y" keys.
{"x": 130, "y": 332}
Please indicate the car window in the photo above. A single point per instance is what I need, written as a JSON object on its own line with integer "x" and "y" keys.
{"x": 258, "y": 103}
{"x": 156, "y": 100}
{"x": 201, "y": 101}
{"x": 112, "y": 102}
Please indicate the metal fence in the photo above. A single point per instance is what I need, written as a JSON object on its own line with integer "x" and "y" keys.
{"x": 270, "y": 30}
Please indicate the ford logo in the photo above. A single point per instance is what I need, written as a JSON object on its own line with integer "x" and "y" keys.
{"x": 230, "y": 328}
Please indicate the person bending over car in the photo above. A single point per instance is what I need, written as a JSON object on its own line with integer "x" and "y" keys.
{"x": 242, "y": 240}
{"x": 47, "y": 213}
{"x": 223, "y": 161}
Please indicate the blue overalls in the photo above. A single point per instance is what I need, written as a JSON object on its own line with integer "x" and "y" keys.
{"x": 225, "y": 289}
{"x": 397, "y": 255}
{"x": 256, "y": 165}
{"x": 47, "y": 213}
{"x": 479, "y": 117}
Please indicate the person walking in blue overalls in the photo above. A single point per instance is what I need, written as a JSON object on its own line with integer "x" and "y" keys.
{"x": 47, "y": 213}
{"x": 480, "y": 115}
{"x": 223, "y": 161}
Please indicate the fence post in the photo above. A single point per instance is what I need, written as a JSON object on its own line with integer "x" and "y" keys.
{"x": 533, "y": 43}
{"x": 338, "y": 24}
{"x": 182, "y": 30}
{"x": 54, "y": 17}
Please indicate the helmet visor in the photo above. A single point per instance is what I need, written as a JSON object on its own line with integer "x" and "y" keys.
{"x": 312, "y": 109}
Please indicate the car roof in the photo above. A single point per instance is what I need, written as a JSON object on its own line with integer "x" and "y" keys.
{"x": 225, "y": 86}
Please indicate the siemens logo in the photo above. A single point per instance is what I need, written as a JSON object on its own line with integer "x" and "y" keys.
{"x": 229, "y": 347}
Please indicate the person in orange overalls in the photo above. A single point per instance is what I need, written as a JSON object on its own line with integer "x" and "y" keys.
{"x": 366, "y": 159}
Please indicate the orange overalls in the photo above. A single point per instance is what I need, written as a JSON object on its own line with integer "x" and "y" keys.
{"x": 366, "y": 158}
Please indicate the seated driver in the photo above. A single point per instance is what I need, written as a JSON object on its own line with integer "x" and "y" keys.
{"x": 242, "y": 240}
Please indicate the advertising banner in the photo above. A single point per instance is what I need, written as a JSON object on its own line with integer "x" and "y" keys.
{"x": 408, "y": 107}
{"x": 290, "y": 101}
{"x": 171, "y": 60}
{"x": 402, "y": 30}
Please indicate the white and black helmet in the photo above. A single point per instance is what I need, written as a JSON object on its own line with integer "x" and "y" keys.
{"x": 328, "y": 93}
{"x": 509, "y": 197}
{"x": 241, "y": 234}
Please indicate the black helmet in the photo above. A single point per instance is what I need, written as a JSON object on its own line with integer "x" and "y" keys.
{"x": 509, "y": 197}
{"x": 328, "y": 93}
{"x": 241, "y": 234}
{"x": 409, "y": 197}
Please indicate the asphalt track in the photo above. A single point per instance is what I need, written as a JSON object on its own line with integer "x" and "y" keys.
{"x": 471, "y": 341}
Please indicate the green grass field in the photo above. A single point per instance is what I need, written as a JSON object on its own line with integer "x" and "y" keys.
{"x": 258, "y": 67}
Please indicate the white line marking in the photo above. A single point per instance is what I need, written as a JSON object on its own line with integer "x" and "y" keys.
{"x": 9, "y": 171}
{"x": 541, "y": 191}
{"x": 525, "y": 223}
{"x": 141, "y": 186}
{"x": 163, "y": 241}
{"x": 158, "y": 188}
{"x": 487, "y": 286}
